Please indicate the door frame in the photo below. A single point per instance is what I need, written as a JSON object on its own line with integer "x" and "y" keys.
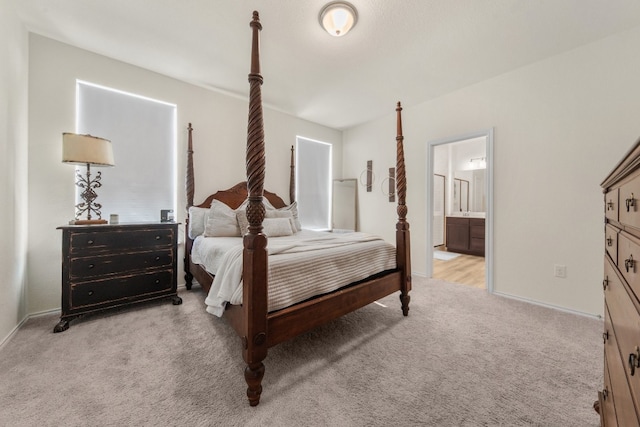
{"x": 488, "y": 256}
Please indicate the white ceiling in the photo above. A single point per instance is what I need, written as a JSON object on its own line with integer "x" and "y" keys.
{"x": 400, "y": 50}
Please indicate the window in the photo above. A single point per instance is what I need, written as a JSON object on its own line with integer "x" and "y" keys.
{"x": 142, "y": 132}
{"x": 313, "y": 183}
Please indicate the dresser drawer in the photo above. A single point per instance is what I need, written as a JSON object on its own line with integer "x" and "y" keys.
{"x": 607, "y": 405}
{"x": 611, "y": 242}
{"x": 618, "y": 391}
{"x": 83, "y": 241}
{"x": 117, "y": 264}
{"x": 611, "y": 205}
{"x": 622, "y": 313}
{"x": 120, "y": 289}
{"x": 629, "y": 260}
{"x": 629, "y": 210}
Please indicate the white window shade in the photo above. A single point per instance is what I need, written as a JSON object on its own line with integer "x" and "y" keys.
{"x": 313, "y": 183}
{"x": 143, "y": 134}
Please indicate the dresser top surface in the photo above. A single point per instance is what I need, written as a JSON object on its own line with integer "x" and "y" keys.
{"x": 106, "y": 227}
{"x": 628, "y": 163}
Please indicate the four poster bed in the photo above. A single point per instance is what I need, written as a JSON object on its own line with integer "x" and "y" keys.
{"x": 368, "y": 268}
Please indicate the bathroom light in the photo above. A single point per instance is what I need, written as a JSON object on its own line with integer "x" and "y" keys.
{"x": 478, "y": 163}
{"x": 338, "y": 17}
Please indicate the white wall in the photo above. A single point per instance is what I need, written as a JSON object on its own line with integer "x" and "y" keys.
{"x": 13, "y": 168}
{"x": 560, "y": 126}
{"x": 220, "y": 134}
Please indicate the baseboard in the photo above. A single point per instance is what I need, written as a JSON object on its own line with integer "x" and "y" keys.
{"x": 13, "y": 332}
{"x": 543, "y": 304}
{"x": 24, "y": 320}
{"x": 42, "y": 313}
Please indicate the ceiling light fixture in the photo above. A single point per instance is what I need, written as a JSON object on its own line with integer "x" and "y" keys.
{"x": 338, "y": 17}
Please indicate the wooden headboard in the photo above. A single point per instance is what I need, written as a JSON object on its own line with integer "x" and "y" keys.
{"x": 234, "y": 196}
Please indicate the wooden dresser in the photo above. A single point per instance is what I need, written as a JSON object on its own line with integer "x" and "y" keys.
{"x": 619, "y": 400}
{"x": 105, "y": 266}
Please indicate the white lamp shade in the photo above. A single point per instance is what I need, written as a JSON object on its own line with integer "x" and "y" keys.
{"x": 337, "y": 18}
{"x": 83, "y": 149}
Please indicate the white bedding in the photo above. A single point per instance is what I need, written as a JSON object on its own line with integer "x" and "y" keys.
{"x": 301, "y": 266}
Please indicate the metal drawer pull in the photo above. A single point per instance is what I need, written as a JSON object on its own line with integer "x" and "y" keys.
{"x": 158, "y": 237}
{"x": 157, "y": 281}
{"x": 157, "y": 258}
{"x": 605, "y": 393}
{"x": 609, "y": 241}
{"x": 90, "y": 293}
{"x": 630, "y": 202}
{"x": 634, "y": 361}
{"x": 629, "y": 264}
{"x": 90, "y": 242}
{"x": 605, "y": 283}
{"x": 605, "y": 337}
{"x": 609, "y": 205}
{"x": 91, "y": 266}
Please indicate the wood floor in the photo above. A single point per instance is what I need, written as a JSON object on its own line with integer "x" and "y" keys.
{"x": 465, "y": 269}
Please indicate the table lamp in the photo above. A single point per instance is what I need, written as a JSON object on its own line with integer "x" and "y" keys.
{"x": 87, "y": 150}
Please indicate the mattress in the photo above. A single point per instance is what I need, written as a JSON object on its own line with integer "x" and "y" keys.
{"x": 301, "y": 266}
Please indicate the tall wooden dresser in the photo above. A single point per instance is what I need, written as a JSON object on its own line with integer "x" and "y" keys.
{"x": 106, "y": 266}
{"x": 619, "y": 400}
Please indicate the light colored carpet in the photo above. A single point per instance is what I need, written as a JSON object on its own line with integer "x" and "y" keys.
{"x": 445, "y": 256}
{"x": 461, "y": 358}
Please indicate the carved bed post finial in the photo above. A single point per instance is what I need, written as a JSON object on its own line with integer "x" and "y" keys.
{"x": 292, "y": 178}
{"x": 255, "y": 134}
{"x": 403, "y": 246}
{"x": 255, "y": 242}
{"x": 189, "y": 185}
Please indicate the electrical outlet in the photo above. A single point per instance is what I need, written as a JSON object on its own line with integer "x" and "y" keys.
{"x": 560, "y": 270}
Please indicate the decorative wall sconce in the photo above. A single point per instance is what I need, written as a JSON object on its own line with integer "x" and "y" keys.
{"x": 391, "y": 185}
{"x": 370, "y": 176}
{"x": 87, "y": 150}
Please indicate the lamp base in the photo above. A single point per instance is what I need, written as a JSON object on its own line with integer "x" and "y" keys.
{"x": 87, "y": 221}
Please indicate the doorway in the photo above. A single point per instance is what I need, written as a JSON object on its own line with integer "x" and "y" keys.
{"x": 460, "y": 193}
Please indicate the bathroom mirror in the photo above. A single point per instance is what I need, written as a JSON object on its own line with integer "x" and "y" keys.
{"x": 343, "y": 215}
{"x": 469, "y": 191}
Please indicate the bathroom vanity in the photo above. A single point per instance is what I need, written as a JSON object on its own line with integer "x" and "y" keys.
{"x": 465, "y": 234}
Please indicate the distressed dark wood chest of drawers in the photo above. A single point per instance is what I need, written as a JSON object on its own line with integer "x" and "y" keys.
{"x": 106, "y": 266}
{"x": 619, "y": 401}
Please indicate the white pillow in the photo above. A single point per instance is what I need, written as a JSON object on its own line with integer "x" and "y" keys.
{"x": 293, "y": 208}
{"x": 276, "y": 213}
{"x": 243, "y": 222}
{"x": 197, "y": 218}
{"x": 270, "y": 214}
{"x": 276, "y": 227}
{"x": 222, "y": 221}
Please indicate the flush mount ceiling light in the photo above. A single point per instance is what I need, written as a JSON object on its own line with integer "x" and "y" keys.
{"x": 338, "y": 17}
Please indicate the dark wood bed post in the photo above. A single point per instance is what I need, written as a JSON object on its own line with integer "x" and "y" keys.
{"x": 403, "y": 243}
{"x": 189, "y": 184}
{"x": 292, "y": 179}
{"x": 254, "y": 307}
{"x": 190, "y": 190}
